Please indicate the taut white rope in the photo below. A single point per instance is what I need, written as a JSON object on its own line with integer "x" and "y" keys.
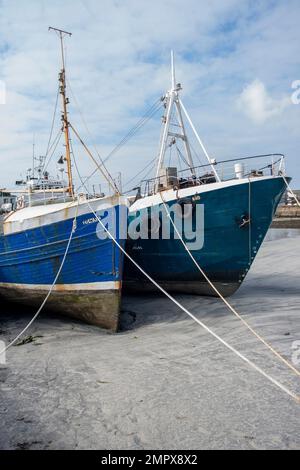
{"x": 227, "y": 345}
{"x": 51, "y": 287}
{"x": 224, "y": 300}
{"x": 291, "y": 191}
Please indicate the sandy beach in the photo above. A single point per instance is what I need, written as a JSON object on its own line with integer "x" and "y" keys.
{"x": 162, "y": 382}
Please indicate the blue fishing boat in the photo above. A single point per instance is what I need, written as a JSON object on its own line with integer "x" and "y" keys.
{"x": 32, "y": 248}
{"x": 53, "y": 241}
{"x": 222, "y": 210}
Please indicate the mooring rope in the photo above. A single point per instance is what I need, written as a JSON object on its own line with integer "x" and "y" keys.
{"x": 231, "y": 308}
{"x": 178, "y": 304}
{"x": 74, "y": 226}
{"x": 215, "y": 335}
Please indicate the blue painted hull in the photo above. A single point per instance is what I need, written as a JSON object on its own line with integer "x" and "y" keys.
{"x": 89, "y": 286}
{"x": 228, "y": 250}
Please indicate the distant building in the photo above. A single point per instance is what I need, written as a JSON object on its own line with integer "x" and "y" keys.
{"x": 290, "y": 199}
{"x": 7, "y": 201}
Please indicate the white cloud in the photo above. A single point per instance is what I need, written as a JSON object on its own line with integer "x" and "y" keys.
{"x": 257, "y": 103}
{"x": 118, "y": 64}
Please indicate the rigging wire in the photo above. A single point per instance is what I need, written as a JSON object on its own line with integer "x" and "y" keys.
{"x": 178, "y": 158}
{"x": 152, "y": 166}
{"x": 170, "y": 155}
{"x": 53, "y": 149}
{"x": 232, "y": 309}
{"x": 49, "y": 147}
{"x": 147, "y": 174}
{"x": 152, "y": 163}
{"x": 182, "y": 156}
{"x": 196, "y": 153}
{"x": 84, "y": 122}
{"x": 53, "y": 121}
{"x": 147, "y": 116}
{"x": 178, "y": 304}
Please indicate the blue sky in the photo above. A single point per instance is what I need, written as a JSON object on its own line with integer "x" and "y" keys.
{"x": 236, "y": 59}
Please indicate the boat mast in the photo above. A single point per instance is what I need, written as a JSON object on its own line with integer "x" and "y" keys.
{"x": 33, "y": 156}
{"x": 65, "y": 102}
{"x": 172, "y": 98}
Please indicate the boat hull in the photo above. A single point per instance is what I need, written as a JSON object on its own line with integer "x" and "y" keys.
{"x": 229, "y": 246}
{"x": 199, "y": 287}
{"x": 89, "y": 285}
{"x": 95, "y": 306}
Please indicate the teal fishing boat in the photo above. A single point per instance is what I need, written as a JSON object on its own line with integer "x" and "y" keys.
{"x": 223, "y": 210}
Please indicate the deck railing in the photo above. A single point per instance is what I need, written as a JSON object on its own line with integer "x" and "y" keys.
{"x": 236, "y": 168}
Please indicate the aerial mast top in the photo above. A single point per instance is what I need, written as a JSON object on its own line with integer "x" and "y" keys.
{"x": 61, "y": 33}
{"x": 65, "y": 101}
{"x": 173, "y": 71}
{"x": 172, "y": 99}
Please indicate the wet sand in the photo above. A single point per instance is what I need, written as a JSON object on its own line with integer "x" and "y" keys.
{"x": 163, "y": 382}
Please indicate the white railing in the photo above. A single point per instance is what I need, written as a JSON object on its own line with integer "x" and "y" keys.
{"x": 237, "y": 168}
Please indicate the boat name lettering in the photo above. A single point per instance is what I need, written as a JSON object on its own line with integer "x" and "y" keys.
{"x": 92, "y": 220}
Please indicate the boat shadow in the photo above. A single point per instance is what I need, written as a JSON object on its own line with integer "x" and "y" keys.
{"x": 154, "y": 308}
{"x": 254, "y": 296}
{"x": 136, "y": 313}
{"x": 143, "y": 310}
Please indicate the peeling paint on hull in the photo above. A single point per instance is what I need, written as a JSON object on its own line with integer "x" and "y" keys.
{"x": 31, "y": 253}
{"x": 100, "y": 308}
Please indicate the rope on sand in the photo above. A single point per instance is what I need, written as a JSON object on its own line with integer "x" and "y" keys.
{"x": 178, "y": 304}
{"x": 74, "y": 226}
{"x": 231, "y": 308}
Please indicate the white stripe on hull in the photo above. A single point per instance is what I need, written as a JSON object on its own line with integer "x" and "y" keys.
{"x": 38, "y": 216}
{"x": 174, "y": 195}
{"x": 92, "y": 286}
